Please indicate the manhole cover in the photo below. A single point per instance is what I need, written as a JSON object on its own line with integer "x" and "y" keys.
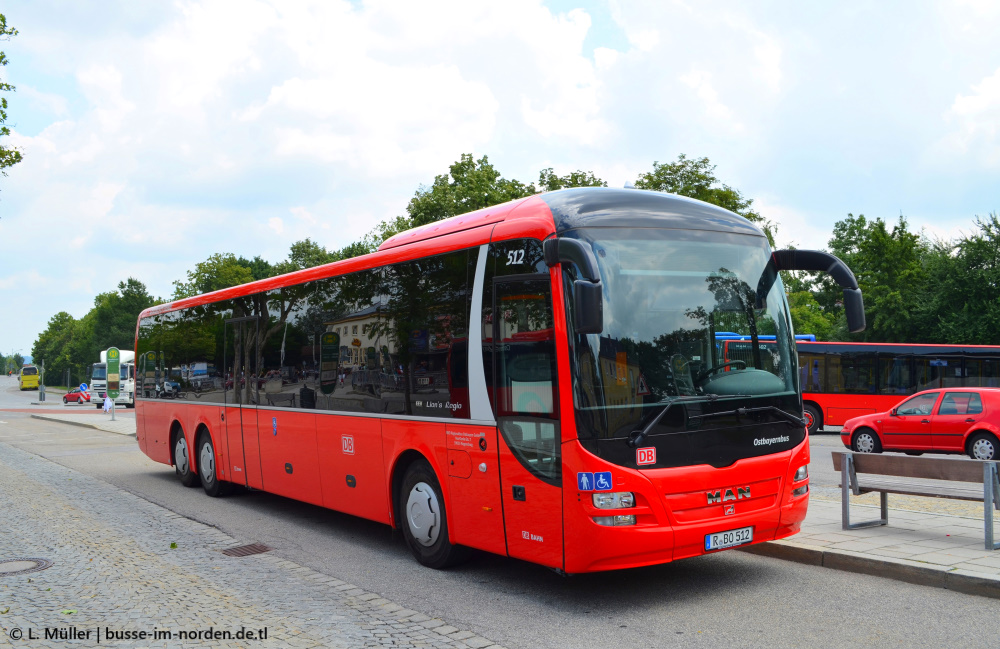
{"x": 22, "y": 566}
{"x": 246, "y": 550}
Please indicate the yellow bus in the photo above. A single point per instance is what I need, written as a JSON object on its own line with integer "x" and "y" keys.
{"x": 27, "y": 379}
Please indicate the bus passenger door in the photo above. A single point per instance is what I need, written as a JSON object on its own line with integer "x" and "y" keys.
{"x": 240, "y": 376}
{"x": 525, "y": 402}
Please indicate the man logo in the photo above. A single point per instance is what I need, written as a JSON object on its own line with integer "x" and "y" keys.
{"x": 718, "y": 497}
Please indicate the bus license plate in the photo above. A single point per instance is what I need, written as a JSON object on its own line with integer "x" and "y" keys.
{"x": 728, "y": 539}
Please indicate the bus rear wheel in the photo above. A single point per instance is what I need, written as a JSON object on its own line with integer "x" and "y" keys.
{"x": 814, "y": 419}
{"x": 424, "y": 520}
{"x": 182, "y": 460}
{"x": 206, "y": 468}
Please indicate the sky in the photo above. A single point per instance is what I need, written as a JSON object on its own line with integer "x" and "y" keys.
{"x": 155, "y": 134}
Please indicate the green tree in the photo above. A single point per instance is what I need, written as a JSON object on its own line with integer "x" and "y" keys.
{"x": 52, "y": 347}
{"x": 219, "y": 271}
{"x": 888, "y": 264}
{"x": 695, "y": 178}
{"x": 548, "y": 181}
{"x": 8, "y": 156}
{"x": 469, "y": 185}
{"x": 961, "y": 303}
{"x": 116, "y": 312}
{"x": 809, "y": 317}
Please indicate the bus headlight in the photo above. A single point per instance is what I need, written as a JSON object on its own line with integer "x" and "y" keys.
{"x": 614, "y": 521}
{"x": 614, "y": 500}
{"x": 802, "y": 473}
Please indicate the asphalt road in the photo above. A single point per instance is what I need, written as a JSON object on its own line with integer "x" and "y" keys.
{"x": 730, "y": 599}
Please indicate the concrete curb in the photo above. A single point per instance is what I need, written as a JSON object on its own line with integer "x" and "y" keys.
{"x": 80, "y": 423}
{"x": 912, "y": 572}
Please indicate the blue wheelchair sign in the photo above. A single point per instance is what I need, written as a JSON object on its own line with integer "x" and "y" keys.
{"x": 602, "y": 481}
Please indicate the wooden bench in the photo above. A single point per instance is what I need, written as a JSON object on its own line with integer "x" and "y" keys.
{"x": 911, "y": 474}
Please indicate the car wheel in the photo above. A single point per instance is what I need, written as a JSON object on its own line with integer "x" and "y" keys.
{"x": 206, "y": 468}
{"x": 182, "y": 460}
{"x": 814, "y": 419}
{"x": 65, "y": 401}
{"x": 866, "y": 441}
{"x": 983, "y": 446}
{"x": 424, "y": 520}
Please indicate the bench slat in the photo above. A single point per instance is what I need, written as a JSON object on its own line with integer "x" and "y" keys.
{"x": 904, "y": 466}
{"x": 956, "y": 492}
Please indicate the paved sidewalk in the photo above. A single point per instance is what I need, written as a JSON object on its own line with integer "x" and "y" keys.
{"x": 922, "y": 544}
{"x": 123, "y": 565}
{"x": 123, "y": 424}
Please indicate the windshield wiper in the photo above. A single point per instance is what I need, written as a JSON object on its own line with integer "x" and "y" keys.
{"x": 789, "y": 418}
{"x": 638, "y": 436}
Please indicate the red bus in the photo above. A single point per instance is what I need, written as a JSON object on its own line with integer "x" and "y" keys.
{"x": 844, "y": 380}
{"x": 586, "y": 422}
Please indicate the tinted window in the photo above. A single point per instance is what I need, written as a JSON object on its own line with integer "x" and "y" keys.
{"x": 960, "y": 403}
{"x": 389, "y": 340}
{"x": 940, "y": 372}
{"x": 918, "y": 405}
{"x": 895, "y": 374}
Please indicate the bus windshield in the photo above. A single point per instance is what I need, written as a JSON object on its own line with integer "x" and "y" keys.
{"x": 670, "y": 298}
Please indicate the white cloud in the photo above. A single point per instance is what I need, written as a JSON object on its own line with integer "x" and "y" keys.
{"x": 715, "y": 111}
{"x": 276, "y": 224}
{"x": 977, "y": 117}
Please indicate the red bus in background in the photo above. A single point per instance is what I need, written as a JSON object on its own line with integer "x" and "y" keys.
{"x": 844, "y": 380}
{"x": 588, "y": 420}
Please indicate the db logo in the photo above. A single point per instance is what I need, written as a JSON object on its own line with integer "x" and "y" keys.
{"x": 645, "y": 455}
{"x": 525, "y": 535}
{"x": 348, "y": 444}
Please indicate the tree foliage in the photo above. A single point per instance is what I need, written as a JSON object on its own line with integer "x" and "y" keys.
{"x": 695, "y": 178}
{"x": 8, "y": 156}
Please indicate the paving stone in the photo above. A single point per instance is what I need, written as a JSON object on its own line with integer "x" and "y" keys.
{"x": 113, "y": 566}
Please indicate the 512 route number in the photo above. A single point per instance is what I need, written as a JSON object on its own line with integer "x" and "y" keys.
{"x": 515, "y": 257}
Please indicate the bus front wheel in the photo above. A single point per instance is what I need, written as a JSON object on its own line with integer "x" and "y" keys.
{"x": 814, "y": 419}
{"x": 424, "y": 521}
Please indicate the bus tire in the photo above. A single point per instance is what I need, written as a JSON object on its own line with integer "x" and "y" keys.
{"x": 865, "y": 440}
{"x": 983, "y": 446}
{"x": 424, "y": 520}
{"x": 814, "y": 418}
{"x": 182, "y": 459}
{"x": 206, "y": 467}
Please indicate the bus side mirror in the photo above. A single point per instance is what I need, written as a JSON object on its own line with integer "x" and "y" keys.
{"x": 854, "y": 307}
{"x": 588, "y": 312}
{"x": 587, "y": 294}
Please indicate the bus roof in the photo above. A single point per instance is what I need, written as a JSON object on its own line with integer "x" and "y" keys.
{"x": 537, "y": 216}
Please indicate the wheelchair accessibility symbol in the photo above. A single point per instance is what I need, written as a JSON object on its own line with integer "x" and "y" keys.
{"x": 586, "y": 481}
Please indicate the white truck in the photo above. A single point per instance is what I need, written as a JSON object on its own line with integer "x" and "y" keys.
{"x": 99, "y": 380}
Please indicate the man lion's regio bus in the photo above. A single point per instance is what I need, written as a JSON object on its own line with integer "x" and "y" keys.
{"x": 538, "y": 379}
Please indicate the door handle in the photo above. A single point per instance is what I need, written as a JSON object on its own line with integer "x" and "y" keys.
{"x": 925, "y": 421}
{"x": 223, "y": 416}
{"x": 970, "y": 420}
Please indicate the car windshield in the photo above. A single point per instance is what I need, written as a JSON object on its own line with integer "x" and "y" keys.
{"x": 671, "y": 299}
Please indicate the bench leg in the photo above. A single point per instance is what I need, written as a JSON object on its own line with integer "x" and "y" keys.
{"x": 848, "y": 484}
{"x": 991, "y": 494}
